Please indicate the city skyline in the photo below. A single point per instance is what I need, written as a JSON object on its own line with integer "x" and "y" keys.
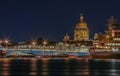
{"x": 26, "y": 19}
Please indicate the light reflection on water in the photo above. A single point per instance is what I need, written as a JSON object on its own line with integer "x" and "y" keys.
{"x": 59, "y": 67}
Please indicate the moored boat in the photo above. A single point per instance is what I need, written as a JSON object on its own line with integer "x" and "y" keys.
{"x": 102, "y": 53}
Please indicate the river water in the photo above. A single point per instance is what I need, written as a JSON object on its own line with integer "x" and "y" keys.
{"x": 59, "y": 67}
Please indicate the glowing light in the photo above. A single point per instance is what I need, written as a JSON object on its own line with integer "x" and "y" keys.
{"x": 45, "y": 42}
{"x": 33, "y": 43}
{"x": 113, "y": 33}
{"x": 6, "y": 41}
{"x": 0, "y": 41}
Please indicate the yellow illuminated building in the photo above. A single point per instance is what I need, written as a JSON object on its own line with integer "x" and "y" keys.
{"x": 81, "y": 31}
{"x": 66, "y": 38}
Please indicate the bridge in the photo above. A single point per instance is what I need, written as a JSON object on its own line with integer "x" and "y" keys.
{"x": 43, "y": 52}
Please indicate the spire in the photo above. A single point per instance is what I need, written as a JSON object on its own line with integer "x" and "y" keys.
{"x": 66, "y": 34}
{"x": 111, "y": 20}
{"x": 81, "y": 18}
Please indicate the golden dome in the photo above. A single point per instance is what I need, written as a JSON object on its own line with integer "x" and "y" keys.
{"x": 81, "y": 32}
{"x": 81, "y": 24}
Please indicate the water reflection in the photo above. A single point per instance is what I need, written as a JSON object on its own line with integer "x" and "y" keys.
{"x": 19, "y": 67}
{"x": 59, "y": 67}
{"x": 104, "y": 67}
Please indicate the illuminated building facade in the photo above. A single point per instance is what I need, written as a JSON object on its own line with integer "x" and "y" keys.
{"x": 81, "y": 31}
{"x": 81, "y": 34}
{"x": 66, "y": 38}
{"x": 112, "y": 36}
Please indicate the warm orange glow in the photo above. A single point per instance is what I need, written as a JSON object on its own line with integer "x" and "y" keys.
{"x": 33, "y": 43}
{"x": 113, "y": 33}
{"x": 6, "y": 41}
{"x": 45, "y": 42}
{"x": 0, "y": 41}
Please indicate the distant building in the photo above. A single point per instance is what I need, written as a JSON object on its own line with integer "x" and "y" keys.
{"x": 81, "y": 34}
{"x": 111, "y": 38}
{"x": 81, "y": 31}
{"x": 66, "y": 38}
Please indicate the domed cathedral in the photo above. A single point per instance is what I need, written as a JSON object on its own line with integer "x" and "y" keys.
{"x": 81, "y": 31}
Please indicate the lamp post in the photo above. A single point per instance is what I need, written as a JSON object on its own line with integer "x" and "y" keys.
{"x": 33, "y": 43}
{"x": 0, "y": 42}
{"x": 6, "y": 42}
{"x": 45, "y": 43}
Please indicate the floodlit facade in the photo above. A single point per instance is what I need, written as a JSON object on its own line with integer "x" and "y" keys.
{"x": 111, "y": 38}
{"x": 81, "y": 31}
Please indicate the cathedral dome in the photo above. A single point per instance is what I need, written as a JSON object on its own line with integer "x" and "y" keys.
{"x": 81, "y": 23}
{"x": 81, "y": 31}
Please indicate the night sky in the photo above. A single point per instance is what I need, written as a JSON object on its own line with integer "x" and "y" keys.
{"x": 25, "y": 19}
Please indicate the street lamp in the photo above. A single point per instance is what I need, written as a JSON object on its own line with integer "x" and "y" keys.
{"x": 0, "y": 42}
{"x": 6, "y": 42}
{"x": 33, "y": 43}
{"x": 45, "y": 42}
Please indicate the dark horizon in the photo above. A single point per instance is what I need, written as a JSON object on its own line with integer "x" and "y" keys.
{"x": 27, "y": 19}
